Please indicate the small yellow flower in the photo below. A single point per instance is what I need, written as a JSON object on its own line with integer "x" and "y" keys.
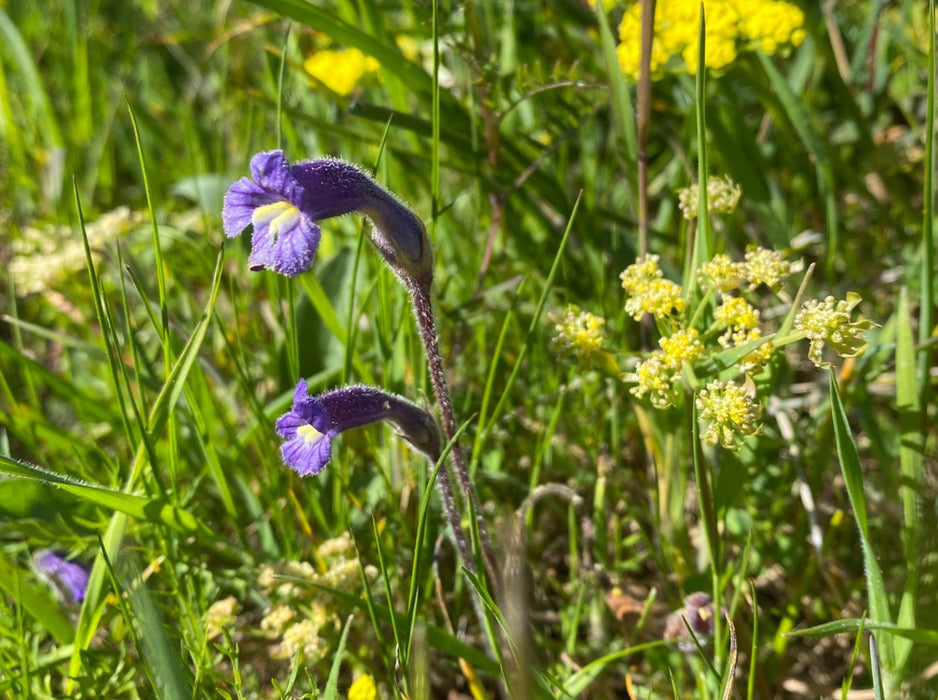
{"x": 756, "y": 359}
{"x": 730, "y": 413}
{"x": 736, "y": 313}
{"x": 579, "y": 334}
{"x": 277, "y": 618}
{"x": 682, "y": 346}
{"x": 721, "y": 273}
{"x": 220, "y": 615}
{"x": 303, "y": 637}
{"x": 722, "y": 197}
{"x": 764, "y": 266}
{"x": 340, "y": 70}
{"x": 363, "y": 688}
{"x": 828, "y": 322}
{"x": 648, "y": 291}
{"x": 658, "y": 377}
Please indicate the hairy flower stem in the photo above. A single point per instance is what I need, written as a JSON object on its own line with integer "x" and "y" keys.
{"x": 423, "y": 310}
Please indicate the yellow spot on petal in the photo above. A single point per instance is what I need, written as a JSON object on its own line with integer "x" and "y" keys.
{"x": 309, "y": 433}
{"x": 279, "y": 216}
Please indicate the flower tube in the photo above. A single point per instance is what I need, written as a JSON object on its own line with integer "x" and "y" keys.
{"x": 284, "y": 202}
{"x": 313, "y": 422}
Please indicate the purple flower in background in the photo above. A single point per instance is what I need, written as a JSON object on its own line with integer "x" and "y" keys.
{"x": 314, "y": 421}
{"x": 67, "y": 577}
{"x": 283, "y": 202}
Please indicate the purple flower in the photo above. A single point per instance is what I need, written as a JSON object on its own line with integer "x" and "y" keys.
{"x": 66, "y": 577}
{"x": 314, "y": 421}
{"x": 283, "y": 202}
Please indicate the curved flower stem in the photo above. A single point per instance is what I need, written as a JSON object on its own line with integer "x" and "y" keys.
{"x": 423, "y": 310}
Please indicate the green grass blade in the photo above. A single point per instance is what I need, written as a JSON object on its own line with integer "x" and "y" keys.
{"x": 146, "y": 509}
{"x": 927, "y": 311}
{"x": 555, "y": 266}
{"x": 797, "y": 116}
{"x": 702, "y": 244}
{"x": 852, "y": 625}
{"x": 331, "y": 691}
{"x": 853, "y": 480}
{"x": 911, "y": 451}
{"x": 320, "y": 301}
{"x": 325, "y": 20}
{"x": 621, "y": 103}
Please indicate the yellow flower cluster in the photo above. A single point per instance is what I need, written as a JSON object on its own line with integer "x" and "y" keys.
{"x": 220, "y": 615}
{"x": 340, "y": 70}
{"x": 760, "y": 266}
{"x": 300, "y": 612}
{"x": 659, "y": 374}
{"x": 722, "y": 197}
{"x": 730, "y": 413}
{"x": 731, "y": 26}
{"x": 41, "y": 256}
{"x": 579, "y": 334}
{"x": 648, "y": 291}
{"x": 828, "y": 322}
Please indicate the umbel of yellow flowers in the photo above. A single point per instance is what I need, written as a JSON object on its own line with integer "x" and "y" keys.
{"x": 732, "y": 26}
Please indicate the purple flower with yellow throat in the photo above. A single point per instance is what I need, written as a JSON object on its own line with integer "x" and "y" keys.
{"x": 284, "y": 202}
{"x": 314, "y": 421}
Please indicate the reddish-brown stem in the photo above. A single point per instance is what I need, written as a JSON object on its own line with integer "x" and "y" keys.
{"x": 423, "y": 311}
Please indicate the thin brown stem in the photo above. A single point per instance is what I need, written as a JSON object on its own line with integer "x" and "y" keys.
{"x": 423, "y": 311}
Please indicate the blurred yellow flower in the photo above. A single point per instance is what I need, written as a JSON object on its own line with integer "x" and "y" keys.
{"x": 363, "y": 688}
{"x": 340, "y": 70}
{"x": 579, "y": 334}
{"x": 732, "y": 25}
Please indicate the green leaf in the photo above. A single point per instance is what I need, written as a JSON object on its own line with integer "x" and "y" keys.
{"x": 145, "y": 509}
{"x": 853, "y": 479}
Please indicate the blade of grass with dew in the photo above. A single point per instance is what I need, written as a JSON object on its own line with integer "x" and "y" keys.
{"x": 911, "y": 451}
{"x": 139, "y": 507}
{"x": 172, "y": 453}
{"x": 853, "y": 480}
{"x": 555, "y": 266}
{"x": 35, "y": 600}
{"x": 419, "y": 543}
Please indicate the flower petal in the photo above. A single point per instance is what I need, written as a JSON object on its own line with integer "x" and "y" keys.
{"x": 242, "y": 198}
{"x": 285, "y": 240}
{"x": 309, "y": 452}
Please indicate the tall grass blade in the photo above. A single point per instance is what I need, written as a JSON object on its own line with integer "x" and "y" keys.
{"x": 911, "y": 451}
{"x": 853, "y": 480}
